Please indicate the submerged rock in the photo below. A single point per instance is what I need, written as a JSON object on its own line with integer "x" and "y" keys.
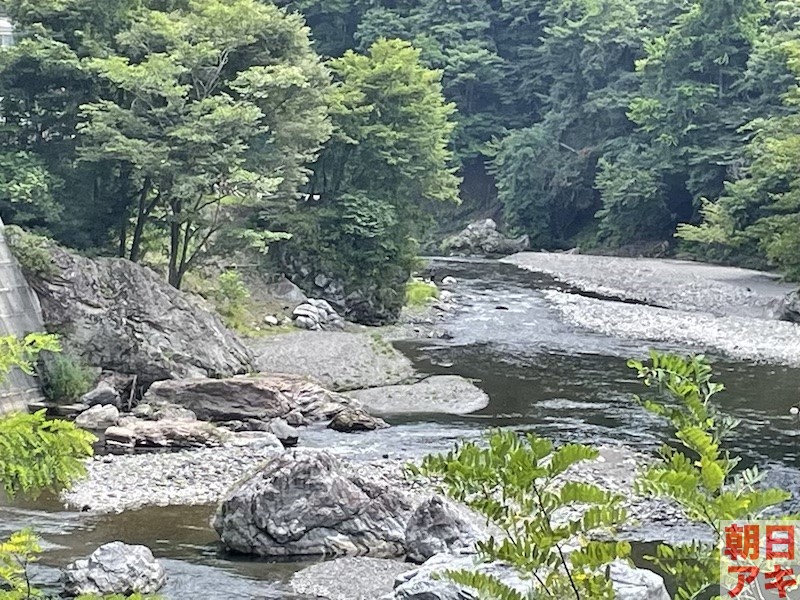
{"x": 305, "y": 504}
{"x": 247, "y": 398}
{"x": 448, "y": 394}
{"x": 349, "y": 578}
{"x": 482, "y": 238}
{"x": 123, "y": 317}
{"x": 115, "y": 568}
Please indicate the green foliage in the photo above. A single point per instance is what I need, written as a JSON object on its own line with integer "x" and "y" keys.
{"x": 64, "y": 378}
{"x": 31, "y": 251}
{"x": 514, "y": 482}
{"x": 387, "y": 160}
{"x": 230, "y": 297}
{"x": 699, "y": 474}
{"x": 420, "y": 293}
{"x": 16, "y": 555}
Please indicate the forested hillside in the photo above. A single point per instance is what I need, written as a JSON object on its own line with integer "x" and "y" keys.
{"x": 176, "y": 131}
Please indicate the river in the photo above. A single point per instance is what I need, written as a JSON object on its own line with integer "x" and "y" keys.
{"x": 541, "y": 375}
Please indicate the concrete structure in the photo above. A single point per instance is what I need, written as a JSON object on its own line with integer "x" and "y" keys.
{"x": 20, "y": 314}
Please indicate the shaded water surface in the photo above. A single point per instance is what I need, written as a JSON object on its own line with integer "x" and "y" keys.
{"x": 540, "y": 374}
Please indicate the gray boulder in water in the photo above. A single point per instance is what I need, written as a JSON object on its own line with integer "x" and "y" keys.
{"x": 123, "y": 317}
{"x": 115, "y": 568}
{"x": 309, "y": 503}
{"x": 482, "y": 238}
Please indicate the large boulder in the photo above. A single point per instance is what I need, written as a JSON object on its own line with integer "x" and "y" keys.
{"x": 482, "y": 238}
{"x": 438, "y": 526}
{"x": 257, "y": 397}
{"x": 309, "y": 503}
{"x": 115, "y": 568}
{"x": 425, "y": 582}
{"x": 123, "y": 317}
{"x": 98, "y": 417}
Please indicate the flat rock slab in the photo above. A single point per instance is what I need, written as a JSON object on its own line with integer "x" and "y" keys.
{"x": 337, "y": 360}
{"x": 349, "y": 578}
{"x": 448, "y": 394}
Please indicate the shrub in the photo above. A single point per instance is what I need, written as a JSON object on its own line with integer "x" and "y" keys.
{"x": 420, "y": 293}
{"x": 64, "y": 378}
{"x": 230, "y": 298}
{"x": 31, "y": 251}
{"x": 513, "y": 482}
{"x": 698, "y": 474}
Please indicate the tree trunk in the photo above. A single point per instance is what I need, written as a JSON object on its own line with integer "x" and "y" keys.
{"x": 141, "y": 218}
{"x": 175, "y": 276}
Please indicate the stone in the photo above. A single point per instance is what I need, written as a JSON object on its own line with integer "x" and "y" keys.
{"x": 321, "y": 281}
{"x": 306, "y": 310}
{"x": 115, "y": 568}
{"x": 421, "y": 584}
{"x": 286, "y": 291}
{"x": 449, "y": 281}
{"x": 258, "y": 397}
{"x": 169, "y": 433}
{"x": 348, "y": 578}
{"x": 98, "y": 418}
{"x": 439, "y": 526}
{"x": 287, "y": 434}
{"x": 173, "y": 412}
{"x": 310, "y": 503}
{"x": 317, "y": 314}
{"x": 102, "y": 394}
{"x": 123, "y": 317}
{"x": 272, "y": 321}
{"x": 789, "y": 308}
{"x": 120, "y": 436}
{"x": 447, "y": 394}
{"x": 296, "y": 419}
{"x": 351, "y": 420}
{"x": 482, "y": 238}
{"x": 144, "y": 411}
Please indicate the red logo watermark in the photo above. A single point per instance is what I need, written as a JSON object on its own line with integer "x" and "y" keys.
{"x": 760, "y": 560}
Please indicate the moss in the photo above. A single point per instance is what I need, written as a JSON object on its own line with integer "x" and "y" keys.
{"x": 31, "y": 251}
{"x": 420, "y": 293}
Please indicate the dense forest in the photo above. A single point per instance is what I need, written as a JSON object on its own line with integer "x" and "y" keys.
{"x": 343, "y": 134}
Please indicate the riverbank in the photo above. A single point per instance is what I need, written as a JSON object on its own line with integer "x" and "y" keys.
{"x": 723, "y": 310}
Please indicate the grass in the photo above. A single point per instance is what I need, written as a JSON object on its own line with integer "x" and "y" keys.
{"x": 420, "y": 293}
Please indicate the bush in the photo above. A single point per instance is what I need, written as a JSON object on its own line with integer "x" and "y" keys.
{"x": 513, "y": 482}
{"x": 230, "y": 298}
{"x": 31, "y": 251}
{"x": 64, "y": 378}
{"x": 420, "y": 293}
{"x": 698, "y": 474}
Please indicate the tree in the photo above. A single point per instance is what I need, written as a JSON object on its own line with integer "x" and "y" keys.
{"x": 215, "y": 111}
{"x": 389, "y": 156}
{"x": 35, "y": 454}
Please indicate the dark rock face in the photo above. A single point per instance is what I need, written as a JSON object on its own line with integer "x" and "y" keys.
{"x": 304, "y": 504}
{"x": 123, "y": 317}
{"x": 115, "y": 568}
{"x": 481, "y": 238}
{"x": 259, "y": 397}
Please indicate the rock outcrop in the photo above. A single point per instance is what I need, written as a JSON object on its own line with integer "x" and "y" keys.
{"x": 123, "y": 317}
{"x": 257, "y": 397}
{"x": 115, "y": 568}
{"x": 317, "y": 315}
{"x": 305, "y": 504}
{"x": 482, "y": 238}
{"x": 422, "y": 584}
{"x": 438, "y": 526}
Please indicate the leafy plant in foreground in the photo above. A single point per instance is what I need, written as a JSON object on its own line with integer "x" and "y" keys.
{"x": 515, "y": 483}
{"x": 698, "y": 474}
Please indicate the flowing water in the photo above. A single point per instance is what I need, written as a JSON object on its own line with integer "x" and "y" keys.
{"x": 540, "y": 374}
